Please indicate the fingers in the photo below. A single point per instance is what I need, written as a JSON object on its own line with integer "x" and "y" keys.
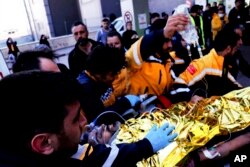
{"x": 172, "y": 136}
{"x": 175, "y": 23}
{"x": 169, "y": 130}
{"x": 164, "y": 126}
{"x": 181, "y": 18}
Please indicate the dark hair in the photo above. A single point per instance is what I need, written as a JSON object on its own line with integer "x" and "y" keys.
{"x": 105, "y": 20}
{"x": 114, "y": 33}
{"x": 195, "y": 9}
{"x": 226, "y": 37}
{"x": 104, "y": 59}
{"x": 221, "y": 9}
{"x": 38, "y": 105}
{"x": 77, "y": 23}
{"x": 240, "y": 1}
{"x": 158, "y": 24}
{"x": 44, "y": 40}
{"x": 214, "y": 10}
{"x": 29, "y": 60}
{"x": 153, "y": 15}
{"x": 163, "y": 14}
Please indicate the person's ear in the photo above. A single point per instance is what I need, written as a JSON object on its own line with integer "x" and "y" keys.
{"x": 229, "y": 49}
{"x": 42, "y": 143}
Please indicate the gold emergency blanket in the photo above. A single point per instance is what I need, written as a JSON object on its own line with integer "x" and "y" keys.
{"x": 196, "y": 124}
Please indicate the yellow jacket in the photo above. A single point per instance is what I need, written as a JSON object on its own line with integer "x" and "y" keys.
{"x": 143, "y": 77}
{"x": 216, "y": 25}
{"x": 204, "y": 77}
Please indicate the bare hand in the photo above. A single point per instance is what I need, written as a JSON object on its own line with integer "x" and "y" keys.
{"x": 196, "y": 99}
{"x": 175, "y": 23}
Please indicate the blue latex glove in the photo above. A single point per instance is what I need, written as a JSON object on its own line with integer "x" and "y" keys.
{"x": 133, "y": 99}
{"x": 160, "y": 137}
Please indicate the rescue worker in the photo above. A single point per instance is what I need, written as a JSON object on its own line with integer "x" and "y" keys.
{"x": 44, "y": 128}
{"x": 216, "y": 22}
{"x": 209, "y": 75}
{"x": 143, "y": 74}
{"x": 96, "y": 83}
{"x": 148, "y": 65}
{"x": 197, "y": 21}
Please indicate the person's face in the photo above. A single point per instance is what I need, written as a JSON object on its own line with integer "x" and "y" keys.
{"x": 239, "y": 43}
{"x": 238, "y": 31}
{"x": 103, "y": 133}
{"x": 129, "y": 26}
{"x": 73, "y": 124}
{"x": 10, "y": 40}
{"x": 80, "y": 31}
{"x": 108, "y": 79}
{"x": 208, "y": 7}
{"x": 167, "y": 46}
{"x": 48, "y": 65}
{"x": 239, "y": 4}
{"x": 105, "y": 25}
{"x": 114, "y": 42}
{"x": 183, "y": 43}
{"x": 234, "y": 49}
{"x": 221, "y": 12}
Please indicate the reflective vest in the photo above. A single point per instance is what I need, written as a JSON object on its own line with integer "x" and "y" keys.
{"x": 202, "y": 30}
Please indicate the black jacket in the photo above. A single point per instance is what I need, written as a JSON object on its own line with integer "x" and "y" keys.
{"x": 11, "y": 159}
{"x": 94, "y": 95}
{"x": 77, "y": 58}
{"x": 238, "y": 63}
{"x": 127, "y": 156}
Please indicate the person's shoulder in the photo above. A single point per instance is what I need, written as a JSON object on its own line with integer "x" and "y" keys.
{"x": 96, "y": 43}
{"x": 233, "y": 10}
{"x": 72, "y": 52}
{"x": 134, "y": 31}
{"x": 84, "y": 79}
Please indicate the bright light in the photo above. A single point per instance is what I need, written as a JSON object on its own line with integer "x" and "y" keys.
{"x": 13, "y": 19}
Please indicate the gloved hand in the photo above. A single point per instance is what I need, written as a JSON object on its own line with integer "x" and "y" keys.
{"x": 160, "y": 137}
{"x": 133, "y": 99}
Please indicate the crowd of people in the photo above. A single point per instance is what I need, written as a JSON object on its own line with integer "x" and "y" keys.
{"x": 66, "y": 116}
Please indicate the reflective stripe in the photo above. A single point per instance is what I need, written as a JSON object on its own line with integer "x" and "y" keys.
{"x": 179, "y": 80}
{"x": 135, "y": 54}
{"x": 81, "y": 151}
{"x": 202, "y": 31}
{"x": 201, "y": 75}
{"x": 179, "y": 90}
{"x": 152, "y": 58}
{"x": 179, "y": 61}
{"x": 112, "y": 156}
{"x": 230, "y": 77}
{"x": 173, "y": 74}
{"x": 202, "y": 28}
